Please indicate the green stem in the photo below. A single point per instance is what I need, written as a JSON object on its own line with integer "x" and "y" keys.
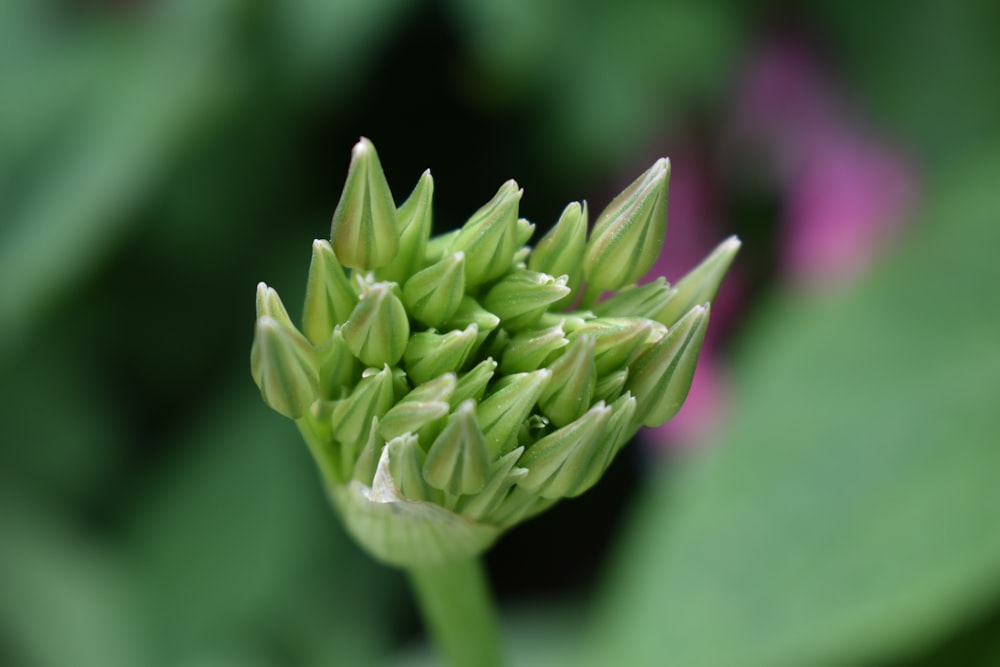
{"x": 457, "y": 608}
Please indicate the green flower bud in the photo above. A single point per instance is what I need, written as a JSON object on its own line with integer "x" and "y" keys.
{"x": 368, "y": 456}
{"x": 615, "y": 339}
{"x": 473, "y": 384}
{"x": 424, "y": 404}
{"x": 352, "y": 416}
{"x": 574, "y": 374}
{"x": 434, "y": 294}
{"x": 617, "y": 432}
{"x": 502, "y": 476}
{"x": 470, "y": 312}
{"x": 364, "y": 231}
{"x": 406, "y": 461}
{"x": 429, "y": 355}
{"x": 269, "y": 305}
{"x": 628, "y": 234}
{"x": 521, "y": 297}
{"x": 378, "y": 329}
{"x": 490, "y": 237}
{"x": 661, "y": 376}
{"x": 458, "y": 462}
{"x": 700, "y": 285}
{"x": 338, "y": 368}
{"x": 558, "y": 463}
{"x": 284, "y": 366}
{"x": 415, "y": 222}
{"x": 532, "y": 349}
{"x": 434, "y": 440}
{"x": 637, "y": 300}
{"x": 502, "y": 412}
{"x": 329, "y": 296}
{"x": 610, "y": 386}
{"x": 558, "y": 253}
{"x": 525, "y": 230}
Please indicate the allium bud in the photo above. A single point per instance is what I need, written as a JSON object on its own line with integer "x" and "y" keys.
{"x": 444, "y": 389}
{"x": 364, "y": 231}
{"x": 378, "y": 329}
{"x": 628, "y": 234}
{"x": 490, "y": 237}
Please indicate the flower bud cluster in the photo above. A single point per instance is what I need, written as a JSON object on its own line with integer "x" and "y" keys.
{"x": 446, "y": 385}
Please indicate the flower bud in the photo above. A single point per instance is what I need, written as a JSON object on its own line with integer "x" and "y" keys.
{"x": 615, "y": 339}
{"x": 502, "y": 412}
{"x": 637, "y": 300}
{"x": 490, "y": 237}
{"x": 568, "y": 395}
{"x": 609, "y": 387}
{"x": 470, "y": 312}
{"x": 329, "y": 296}
{"x": 368, "y": 455}
{"x": 352, "y": 416}
{"x": 473, "y": 384}
{"x": 628, "y": 234}
{"x": 521, "y": 297}
{"x": 378, "y": 329}
{"x": 616, "y": 433}
{"x": 700, "y": 285}
{"x": 558, "y": 253}
{"x": 532, "y": 349}
{"x": 269, "y": 305}
{"x": 415, "y": 223}
{"x": 406, "y": 462}
{"x": 424, "y": 404}
{"x": 503, "y": 475}
{"x": 429, "y": 355}
{"x": 434, "y": 294}
{"x": 284, "y": 366}
{"x": 660, "y": 377}
{"x": 560, "y": 461}
{"x": 458, "y": 461}
{"x": 364, "y": 231}
{"x": 338, "y": 368}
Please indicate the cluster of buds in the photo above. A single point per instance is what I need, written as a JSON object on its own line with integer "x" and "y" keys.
{"x": 452, "y": 386}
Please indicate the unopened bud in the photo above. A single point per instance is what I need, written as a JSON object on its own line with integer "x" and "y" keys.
{"x": 502, "y": 412}
{"x": 424, "y": 404}
{"x": 558, "y": 253}
{"x": 434, "y": 294}
{"x": 364, "y": 231}
{"x": 532, "y": 349}
{"x": 458, "y": 460}
{"x": 701, "y": 284}
{"x": 490, "y": 237}
{"x": 329, "y": 296}
{"x": 568, "y": 395}
{"x": 521, "y": 297}
{"x": 378, "y": 329}
{"x": 415, "y": 224}
{"x": 628, "y": 234}
{"x": 371, "y": 398}
{"x": 284, "y": 366}
{"x": 558, "y": 463}
{"x": 660, "y": 377}
{"x": 429, "y": 355}
{"x": 637, "y": 300}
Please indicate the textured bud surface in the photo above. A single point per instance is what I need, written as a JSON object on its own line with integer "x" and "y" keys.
{"x": 445, "y": 384}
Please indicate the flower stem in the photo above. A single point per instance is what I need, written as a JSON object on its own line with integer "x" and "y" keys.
{"x": 457, "y": 607}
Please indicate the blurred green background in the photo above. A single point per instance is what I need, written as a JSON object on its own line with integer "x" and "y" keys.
{"x": 158, "y": 158}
